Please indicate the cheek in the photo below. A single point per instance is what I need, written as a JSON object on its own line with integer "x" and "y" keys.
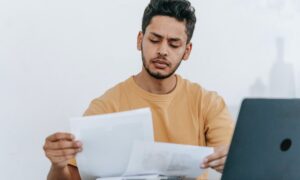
{"x": 148, "y": 50}
{"x": 178, "y": 54}
{"x": 181, "y": 51}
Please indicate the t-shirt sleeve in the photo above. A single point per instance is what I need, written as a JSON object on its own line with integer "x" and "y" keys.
{"x": 72, "y": 162}
{"x": 96, "y": 107}
{"x": 218, "y": 123}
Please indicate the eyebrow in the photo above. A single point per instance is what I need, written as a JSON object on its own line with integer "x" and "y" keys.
{"x": 160, "y": 36}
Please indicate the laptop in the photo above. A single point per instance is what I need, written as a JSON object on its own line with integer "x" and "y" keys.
{"x": 266, "y": 141}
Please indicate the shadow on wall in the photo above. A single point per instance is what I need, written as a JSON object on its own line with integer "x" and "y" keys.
{"x": 281, "y": 81}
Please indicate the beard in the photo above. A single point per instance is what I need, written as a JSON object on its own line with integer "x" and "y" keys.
{"x": 158, "y": 75}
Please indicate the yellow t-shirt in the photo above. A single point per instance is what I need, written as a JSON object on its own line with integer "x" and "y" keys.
{"x": 187, "y": 115}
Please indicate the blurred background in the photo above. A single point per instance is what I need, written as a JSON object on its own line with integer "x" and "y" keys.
{"x": 56, "y": 56}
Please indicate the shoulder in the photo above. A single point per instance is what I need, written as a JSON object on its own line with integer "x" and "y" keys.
{"x": 115, "y": 92}
{"x": 195, "y": 89}
{"x": 189, "y": 86}
{"x": 109, "y": 101}
{"x": 206, "y": 97}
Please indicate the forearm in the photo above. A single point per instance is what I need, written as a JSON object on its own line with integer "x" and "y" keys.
{"x": 59, "y": 174}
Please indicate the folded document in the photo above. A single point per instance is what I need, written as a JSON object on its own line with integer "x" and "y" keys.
{"x": 166, "y": 159}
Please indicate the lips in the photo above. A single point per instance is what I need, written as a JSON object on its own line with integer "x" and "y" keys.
{"x": 160, "y": 64}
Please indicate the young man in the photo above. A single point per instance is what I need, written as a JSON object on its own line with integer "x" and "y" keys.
{"x": 183, "y": 112}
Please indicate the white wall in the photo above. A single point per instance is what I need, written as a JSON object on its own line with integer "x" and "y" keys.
{"x": 55, "y": 56}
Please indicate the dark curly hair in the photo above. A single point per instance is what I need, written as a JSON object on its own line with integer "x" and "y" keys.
{"x": 178, "y": 9}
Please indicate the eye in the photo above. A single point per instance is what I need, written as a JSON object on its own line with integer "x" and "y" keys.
{"x": 174, "y": 46}
{"x": 154, "y": 41}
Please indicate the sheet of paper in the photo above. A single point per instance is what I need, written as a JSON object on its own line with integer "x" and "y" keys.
{"x": 152, "y": 177}
{"x": 167, "y": 159}
{"x": 108, "y": 139}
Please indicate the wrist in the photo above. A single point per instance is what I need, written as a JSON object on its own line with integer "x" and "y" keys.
{"x": 58, "y": 168}
{"x": 59, "y": 173}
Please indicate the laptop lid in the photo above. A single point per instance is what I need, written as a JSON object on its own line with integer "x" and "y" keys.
{"x": 266, "y": 141}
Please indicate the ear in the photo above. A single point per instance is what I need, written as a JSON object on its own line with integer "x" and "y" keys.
{"x": 187, "y": 51}
{"x": 140, "y": 40}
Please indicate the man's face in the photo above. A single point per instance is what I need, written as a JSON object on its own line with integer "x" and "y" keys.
{"x": 163, "y": 46}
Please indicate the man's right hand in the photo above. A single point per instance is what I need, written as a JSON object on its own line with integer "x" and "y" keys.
{"x": 60, "y": 148}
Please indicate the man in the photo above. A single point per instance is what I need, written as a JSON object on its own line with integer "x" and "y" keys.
{"x": 183, "y": 112}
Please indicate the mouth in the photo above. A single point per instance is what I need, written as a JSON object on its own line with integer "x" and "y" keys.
{"x": 160, "y": 64}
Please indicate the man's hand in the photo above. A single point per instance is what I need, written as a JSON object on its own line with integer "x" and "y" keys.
{"x": 217, "y": 159}
{"x": 60, "y": 148}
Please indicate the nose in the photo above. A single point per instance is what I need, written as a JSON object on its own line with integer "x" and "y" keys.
{"x": 163, "y": 49}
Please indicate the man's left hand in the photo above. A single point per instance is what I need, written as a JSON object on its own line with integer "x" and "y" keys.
{"x": 217, "y": 159}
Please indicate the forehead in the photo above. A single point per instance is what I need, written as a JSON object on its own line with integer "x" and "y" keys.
{"x": 168, "y": 27}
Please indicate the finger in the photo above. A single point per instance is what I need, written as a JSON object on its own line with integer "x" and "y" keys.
{"x": 60, "y": 136}
{"x": 219, "y": 169}
{"x": 64, "y": 152}
{"x": 61, "y": 159}
{"x": 63, "y": 144}
{"x": 215, "y": 156}
{"x": 216, "y": 163}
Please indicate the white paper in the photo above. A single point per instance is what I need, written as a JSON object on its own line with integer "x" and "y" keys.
{"x": 148, "y": 177}
{"x": 108, "y": 139}
{"x": 167, "y": 159}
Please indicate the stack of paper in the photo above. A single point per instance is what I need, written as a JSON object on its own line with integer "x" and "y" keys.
{"x": 121, "y": 146}
{"x": 145, "y": 177}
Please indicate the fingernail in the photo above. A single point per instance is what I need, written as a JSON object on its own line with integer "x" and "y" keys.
{"x": 72, "y": 136}
{"x": 205, "y": 160}
{"x": 202, "y": 166}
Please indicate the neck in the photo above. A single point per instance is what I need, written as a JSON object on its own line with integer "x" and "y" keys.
{"x": 153, "y": 85}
